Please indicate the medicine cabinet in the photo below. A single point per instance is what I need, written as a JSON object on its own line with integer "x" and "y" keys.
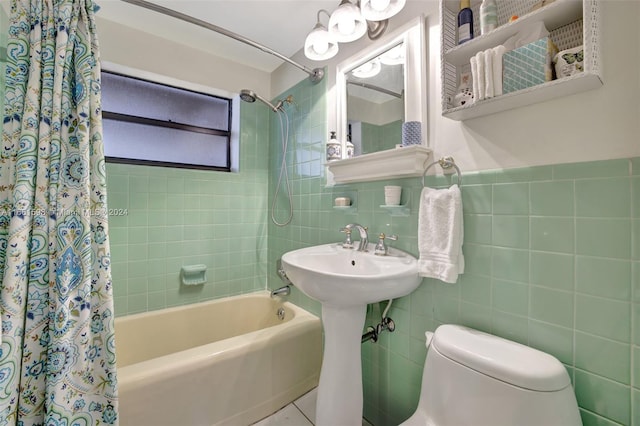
{"x": 570, "y": 23}
{"x": 393, "y": 162}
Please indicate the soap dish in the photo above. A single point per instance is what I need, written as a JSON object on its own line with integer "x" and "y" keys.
{"x": 193, "y": 274}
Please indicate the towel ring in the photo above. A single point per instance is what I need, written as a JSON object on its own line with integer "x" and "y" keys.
{"x": 446, "y": 163}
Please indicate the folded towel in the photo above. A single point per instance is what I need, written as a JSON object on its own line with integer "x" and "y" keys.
{"x": 497, "y": 53}
{"x": 481, "y": 71}
{"x": 440, "y": 234}
{"x": 474, "y": 78}
{"x": 488, "y": 73}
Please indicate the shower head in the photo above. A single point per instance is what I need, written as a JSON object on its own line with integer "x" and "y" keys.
{"x": 247, "y": 96}
{"x": 251, "y": 96}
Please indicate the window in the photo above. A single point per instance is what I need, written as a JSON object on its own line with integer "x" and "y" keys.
{"x": 156, "y": 124}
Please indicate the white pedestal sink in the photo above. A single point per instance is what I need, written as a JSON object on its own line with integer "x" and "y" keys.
{"x": 345, "y": 281}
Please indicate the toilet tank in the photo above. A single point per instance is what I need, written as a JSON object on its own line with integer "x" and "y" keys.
{"x": 474, "y": 378}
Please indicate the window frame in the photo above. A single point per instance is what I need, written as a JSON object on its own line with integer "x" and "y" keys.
{"x": 110, "y": 115}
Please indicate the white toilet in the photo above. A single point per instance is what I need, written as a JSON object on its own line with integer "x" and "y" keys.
{"x": 472, "y": 378}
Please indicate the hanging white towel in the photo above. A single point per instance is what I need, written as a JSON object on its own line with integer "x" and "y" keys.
{"x": 475, "y": 79}
{"x": 440, "y": 234}
{"x": 497, "y": 53}
{"x": 488, "y": 73}
{"x": 481, "y": 85}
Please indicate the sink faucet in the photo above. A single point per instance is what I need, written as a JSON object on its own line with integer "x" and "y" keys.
{"x": 364, "y": 237}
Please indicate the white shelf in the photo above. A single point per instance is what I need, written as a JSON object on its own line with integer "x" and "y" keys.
{"x": 390, "y": 164}
{"x": 556, "y": 15}
{"x": 550, "y": 90}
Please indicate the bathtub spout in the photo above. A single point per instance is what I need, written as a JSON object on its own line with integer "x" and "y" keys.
{"x": 282, "y": 291}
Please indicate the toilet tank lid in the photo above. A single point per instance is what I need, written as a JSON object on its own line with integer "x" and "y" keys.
{"x": 501, "y": 359}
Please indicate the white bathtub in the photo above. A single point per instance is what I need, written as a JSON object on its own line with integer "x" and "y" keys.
{"x": 230, "y": 361}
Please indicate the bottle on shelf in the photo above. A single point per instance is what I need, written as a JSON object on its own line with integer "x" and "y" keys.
{"x": 350, "y": 147}
{"x": 465, "y": 22}
{"x": 488, "y": 16}
{"x": 334, "y": 148}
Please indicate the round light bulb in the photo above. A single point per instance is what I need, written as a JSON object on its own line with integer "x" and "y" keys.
{"x": 346, "y": 26}
{"x": 320, "y": 46}
{"x": 379, "y": 10}
{"x": 347, "y": 23}
{"x": 380, "y": 5}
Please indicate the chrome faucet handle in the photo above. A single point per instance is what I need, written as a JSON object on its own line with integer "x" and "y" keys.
{"x": 381, "y": 249}
{"x": 348, "y": 244}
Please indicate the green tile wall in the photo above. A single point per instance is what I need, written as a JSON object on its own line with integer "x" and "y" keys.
{"x": 164, "y": 218}
{"x": 378, "y": 138}
{"x": 552, "y": 256}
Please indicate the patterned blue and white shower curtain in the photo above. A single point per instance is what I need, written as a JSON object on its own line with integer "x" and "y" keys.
{"x": 57, "y": 358}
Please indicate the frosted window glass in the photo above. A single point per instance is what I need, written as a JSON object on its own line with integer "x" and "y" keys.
{"x": 150, "y": 123}
{"x": 139, "y": 98}
{"x": 152, "y": 143}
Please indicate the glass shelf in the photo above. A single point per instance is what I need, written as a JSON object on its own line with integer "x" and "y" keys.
{"x": 400, "y": 210}
{"x": 347, "y": 209}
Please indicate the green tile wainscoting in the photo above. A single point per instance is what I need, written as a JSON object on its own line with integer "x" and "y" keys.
{"x": 164, "y": 218}
{"x": 552, "y": 261}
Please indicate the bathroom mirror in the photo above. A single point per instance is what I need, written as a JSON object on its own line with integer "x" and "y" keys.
{"x": 377, "y": 90}
{"x": 375, "y": 102}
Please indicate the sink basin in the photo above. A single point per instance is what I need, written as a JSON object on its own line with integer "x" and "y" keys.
{"x": 345, "y": 281}
{"x": 337, "y": 276}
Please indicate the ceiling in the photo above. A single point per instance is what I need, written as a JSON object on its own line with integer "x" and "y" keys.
{"x": 281, "y": 25}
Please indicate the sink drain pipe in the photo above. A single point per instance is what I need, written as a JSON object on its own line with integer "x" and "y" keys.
{"x": 386, "y": 323}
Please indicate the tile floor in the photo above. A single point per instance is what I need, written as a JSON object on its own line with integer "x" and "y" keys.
{"x": 300, "y": 412}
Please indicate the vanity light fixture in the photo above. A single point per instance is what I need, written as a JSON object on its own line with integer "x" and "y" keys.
{"x": 379, "y": 10}
{"x": 349, "y": 22}
{"x": 319, "y": 44}
{"x": 346, "y": 23}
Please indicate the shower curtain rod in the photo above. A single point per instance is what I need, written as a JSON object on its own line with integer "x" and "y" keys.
{"x": 377, "y": 88}
{"x": 315, "y": 75}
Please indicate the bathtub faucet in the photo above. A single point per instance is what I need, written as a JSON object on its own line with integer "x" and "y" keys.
{"x": 282, "y": 291}
{"x": 282, "y": 274}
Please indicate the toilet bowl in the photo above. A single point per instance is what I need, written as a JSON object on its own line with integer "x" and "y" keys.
{"x": 473, "y": 378}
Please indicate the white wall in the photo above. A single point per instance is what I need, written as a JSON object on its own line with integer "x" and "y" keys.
{"x": 128, "y": 47}
{"x": 594, "y": 125}
{"x": 359, "y": 109}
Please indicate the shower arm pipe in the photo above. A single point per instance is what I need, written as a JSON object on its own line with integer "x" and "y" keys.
{"x": 315, "y": 75}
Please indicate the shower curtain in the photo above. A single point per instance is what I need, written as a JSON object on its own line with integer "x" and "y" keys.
{"x": 57, "y": 357}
